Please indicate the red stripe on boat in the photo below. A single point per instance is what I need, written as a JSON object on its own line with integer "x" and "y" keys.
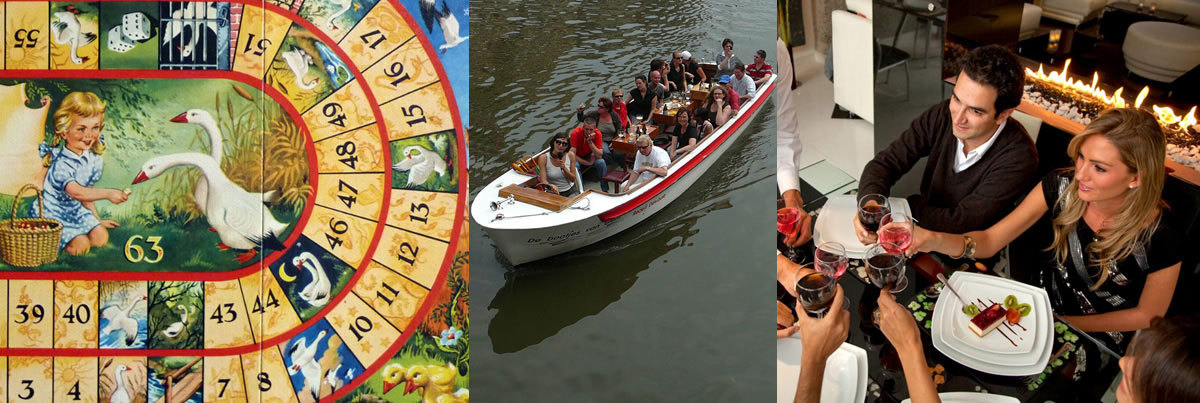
{"x": 628, "y": 206}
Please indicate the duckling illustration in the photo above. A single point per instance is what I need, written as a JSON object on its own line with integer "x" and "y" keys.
{"x": 435, "y": 383}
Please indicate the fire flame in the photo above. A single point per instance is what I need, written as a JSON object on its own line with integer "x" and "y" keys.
{"x": 1166, "y": 115}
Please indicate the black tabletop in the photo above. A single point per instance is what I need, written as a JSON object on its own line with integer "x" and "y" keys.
{"x": 1080, "y": 369}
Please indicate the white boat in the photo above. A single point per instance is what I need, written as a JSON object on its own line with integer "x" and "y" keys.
{"x": 525, "y": 232}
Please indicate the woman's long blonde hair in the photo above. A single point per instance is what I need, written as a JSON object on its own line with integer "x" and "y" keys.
{"x": 85, "y": 104}
{"x": 1140, "y": 140}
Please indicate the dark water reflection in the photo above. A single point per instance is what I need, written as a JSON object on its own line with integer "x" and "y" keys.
{"x": 666, "y": 309}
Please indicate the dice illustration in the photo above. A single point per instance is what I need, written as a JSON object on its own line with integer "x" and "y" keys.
{"x": 118, "y": 42}
{"x": 136, "y": 26}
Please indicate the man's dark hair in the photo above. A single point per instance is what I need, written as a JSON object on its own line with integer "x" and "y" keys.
{"x": 997, "y": 67}
{"x": 656, "y": 64}
{"x": 739, "y": 66}
{"x": 591, "y": 117}
{"x": 762, "y": 54}
{"x": 727, "y": 41}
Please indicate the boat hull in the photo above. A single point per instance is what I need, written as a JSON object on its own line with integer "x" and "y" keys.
{"x": 523, "y": 245}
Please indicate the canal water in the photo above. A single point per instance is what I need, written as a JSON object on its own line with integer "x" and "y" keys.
{"x": 677, "y": 307}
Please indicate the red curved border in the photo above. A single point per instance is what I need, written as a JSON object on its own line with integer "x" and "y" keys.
{"x": 130, "y": 275}
{"x": 628, "y": 206}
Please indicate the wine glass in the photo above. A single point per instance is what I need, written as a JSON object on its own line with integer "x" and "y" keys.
{"x": 871, "y": 209}
{"x": 895, "y": 232}
{"x": 831, "y": 259}
{"x": 815, "y": 292}
{"x": 886, "y": 269}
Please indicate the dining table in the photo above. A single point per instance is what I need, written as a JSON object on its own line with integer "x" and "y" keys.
{"x": 1080, "y": 368}
{"x": 627, "y": 143}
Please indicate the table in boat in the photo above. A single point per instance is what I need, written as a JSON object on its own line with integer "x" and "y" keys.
{"x": 1082, "y": 372}
{"x": 627, "y": 144}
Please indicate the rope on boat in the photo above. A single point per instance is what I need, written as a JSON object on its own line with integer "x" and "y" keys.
{"x": 502, "y": 216}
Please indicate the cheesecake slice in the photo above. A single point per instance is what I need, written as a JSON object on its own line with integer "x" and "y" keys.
{"x": 987, "y": 320}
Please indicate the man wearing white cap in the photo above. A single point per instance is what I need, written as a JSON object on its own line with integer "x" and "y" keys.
{"x": 695, "y": 74}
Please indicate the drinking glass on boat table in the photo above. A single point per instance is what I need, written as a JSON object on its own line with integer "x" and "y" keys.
{"x": 815, "y": 292}
{"x": 895, "y": 232}
{"x": 871, "y": 209}
{"x": 886, "y": 269}
{"x": 831, "y": 259}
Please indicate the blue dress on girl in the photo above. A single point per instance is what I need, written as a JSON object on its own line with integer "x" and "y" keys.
{"x": 65, "y": 167}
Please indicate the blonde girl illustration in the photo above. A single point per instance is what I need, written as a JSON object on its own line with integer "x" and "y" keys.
{"x": 73, "y": 164}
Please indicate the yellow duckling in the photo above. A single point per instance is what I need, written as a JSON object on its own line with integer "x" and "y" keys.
{"x": 434, "y": 382}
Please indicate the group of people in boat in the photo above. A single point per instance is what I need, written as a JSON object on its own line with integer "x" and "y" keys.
{"x": 1112, "y": 253}
{"x": 587, "y": 147}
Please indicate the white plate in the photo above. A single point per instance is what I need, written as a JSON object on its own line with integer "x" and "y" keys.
{"x": 845, "y": 378}
{"x": 993, "y": 342}
{"x": 972, "y": 397}
{"x": 1012, "y": 360}
{"x": 835, "y": 224}
{"x": 998, "y": 364}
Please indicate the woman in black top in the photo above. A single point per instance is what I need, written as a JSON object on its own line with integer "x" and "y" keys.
{"x": 715, "y": 111}
{"x": 640, "y": 100}
{"x": 676, "y": 76}
{"x": 683, "y": 134}
{"x": 1116, "y": 256}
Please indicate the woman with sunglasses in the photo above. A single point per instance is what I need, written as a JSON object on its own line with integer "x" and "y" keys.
{"x": 608, "y": 121}
{"x": 677, "y": 74}
{"x": 557, "y": 167}
{"x": 618, "y": 106}
{"x": 683, "y": 135}
{"x": 715, "y": 111}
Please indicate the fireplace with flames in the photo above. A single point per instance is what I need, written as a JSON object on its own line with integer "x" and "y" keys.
{"x": 1078, "y": 101}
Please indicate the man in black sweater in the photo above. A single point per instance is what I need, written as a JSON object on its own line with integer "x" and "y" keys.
{"x": 980, "y": 161}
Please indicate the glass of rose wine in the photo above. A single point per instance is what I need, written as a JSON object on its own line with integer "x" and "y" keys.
{"x": 896, "y": 232}
{"x": 831, "y": 259}
{"x": 871, "y": 209}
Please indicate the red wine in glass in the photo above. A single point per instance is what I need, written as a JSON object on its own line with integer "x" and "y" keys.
{"x": 871, "y": 209}
{"x": 886, "y": 269}
{"x": 815, "y": 292}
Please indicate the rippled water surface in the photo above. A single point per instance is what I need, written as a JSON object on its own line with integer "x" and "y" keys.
{"x": 677, "y": 307}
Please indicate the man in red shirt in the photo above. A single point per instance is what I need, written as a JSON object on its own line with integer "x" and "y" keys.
{"x": 589, "y": 148}
{"x": 759, "y": 71}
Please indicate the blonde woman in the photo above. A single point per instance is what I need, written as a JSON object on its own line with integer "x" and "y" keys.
{"x": 73, "y": 164}
{"x": 1115, "y": 256}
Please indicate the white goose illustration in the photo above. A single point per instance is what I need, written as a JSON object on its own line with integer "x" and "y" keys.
{"x": 121, "y": 395}
{"x": 67, "y": 31}
{"x": 205, "y": 120}
{"x": 421, "y": 162}
{"x": 316, "y": 293}
{"x": 331, "y": 377}
{"x": 304, "y": 361}
{"x": 298, "y": 62}
{"x": 445, "y": 18}
{"x": 176, "y": 328}
{"x": 183, "y": 34}
{"x": 343, "y": 7}
{"x": 118, "y": 319}
{"x": 236, "y": 215}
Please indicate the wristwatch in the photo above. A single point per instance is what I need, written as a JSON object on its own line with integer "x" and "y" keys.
{"x": 968, "y": 248}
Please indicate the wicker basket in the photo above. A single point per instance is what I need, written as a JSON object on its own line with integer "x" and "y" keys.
{"x": 29, "y": 242}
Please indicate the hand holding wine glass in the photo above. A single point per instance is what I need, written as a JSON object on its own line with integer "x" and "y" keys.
{"x": 919, "y": 239}
{"x": 831, "y": 259}
{"x": 871, "y": 209}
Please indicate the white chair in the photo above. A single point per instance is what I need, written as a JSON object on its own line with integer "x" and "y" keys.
{"x": 1073, "y": 12}
{"x": 1161, "y": 51}
{"x": 1031, "y": 18}
{"x": 853, "y": 64}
